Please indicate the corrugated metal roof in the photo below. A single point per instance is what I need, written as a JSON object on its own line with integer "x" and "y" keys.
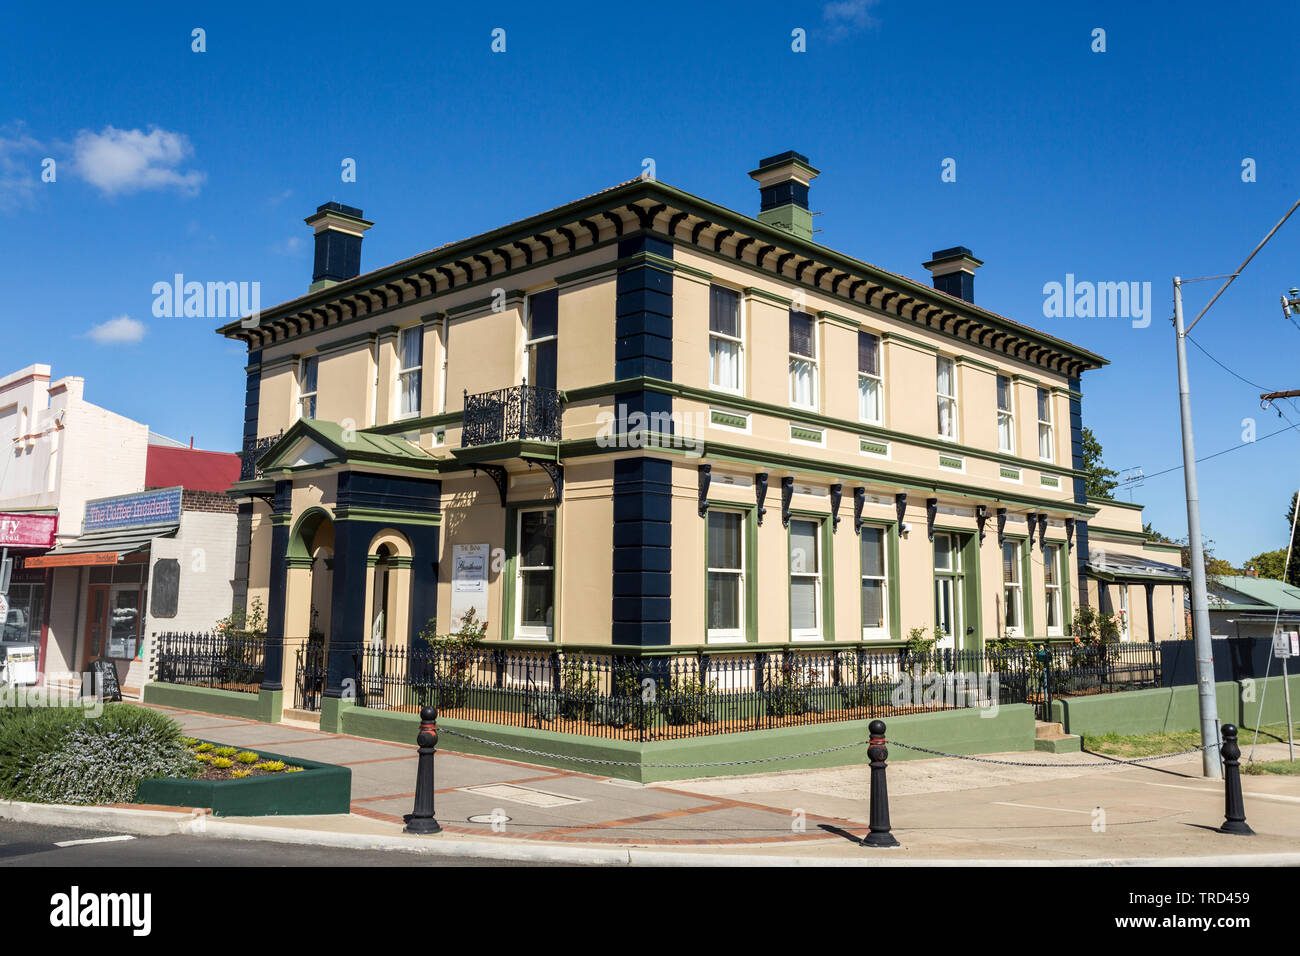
{"x": 1265, "y": 592}
{"x": 1115, "y": 564}
{"x": 123, "y": 541}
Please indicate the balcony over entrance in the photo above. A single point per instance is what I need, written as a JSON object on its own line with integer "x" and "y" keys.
{"x": 518, "y": 413}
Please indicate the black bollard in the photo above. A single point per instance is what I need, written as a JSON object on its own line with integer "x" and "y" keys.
{"x": 879, "y": 812}
{"x": 421, "y": 819}
{"x": 1234, "y": 809}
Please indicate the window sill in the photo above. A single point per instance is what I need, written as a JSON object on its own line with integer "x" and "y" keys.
{"x": 725, "y": 639}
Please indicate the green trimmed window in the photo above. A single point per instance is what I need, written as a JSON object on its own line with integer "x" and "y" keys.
{"x": 948, "y": 596}
{"x": 535, "y": 575}
{"x": 806, "y": 581}
{"x": 725, "y": 575}
{"x": 1052, "y": 583}
{"x": 1013, "y": 597}
{"x": 875, "y": 582}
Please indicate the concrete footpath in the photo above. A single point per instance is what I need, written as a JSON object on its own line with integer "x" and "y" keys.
{"x": 943, "y": 810}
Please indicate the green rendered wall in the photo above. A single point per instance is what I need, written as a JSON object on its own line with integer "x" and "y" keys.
{"x": 265, "y": 705}
{"x": 958, "y": 731}
{"x": 1170, "y": 709}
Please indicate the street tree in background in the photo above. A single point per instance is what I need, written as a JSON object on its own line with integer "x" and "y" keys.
{"x": 1101, "y": 481}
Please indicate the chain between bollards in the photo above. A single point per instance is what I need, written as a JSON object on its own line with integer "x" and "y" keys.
{"x": 1234, "y": 808}
{"x": 421, "y": 820}
{"x": 879, "y": 810}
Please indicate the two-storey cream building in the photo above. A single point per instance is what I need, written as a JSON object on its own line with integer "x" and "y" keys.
{"x": 641, "y": 420}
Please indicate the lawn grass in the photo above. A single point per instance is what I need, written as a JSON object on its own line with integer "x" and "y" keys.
{"x": 1148, "y": 745}
{"x": 1284, "y": 767}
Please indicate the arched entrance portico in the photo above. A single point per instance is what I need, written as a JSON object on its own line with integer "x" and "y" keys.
{"x": 388, "y": 589}
{"x": 309, "y": 598}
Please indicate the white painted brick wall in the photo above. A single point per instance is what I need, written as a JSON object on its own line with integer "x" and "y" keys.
{"x": 205, "y": 548}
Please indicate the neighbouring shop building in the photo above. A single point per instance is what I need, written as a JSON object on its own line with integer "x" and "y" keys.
{"x": 642, "y": 420}
{"x": 140, "y": 537}
{"x": 1244, "y": 605}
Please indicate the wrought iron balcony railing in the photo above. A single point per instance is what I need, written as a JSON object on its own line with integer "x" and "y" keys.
{"x": 252, "y": 451}
{"x": 512, "y": 414}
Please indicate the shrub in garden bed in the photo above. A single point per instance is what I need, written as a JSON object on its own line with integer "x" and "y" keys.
{"x": 231, "y": 763}
{"x": 67, "y": 755}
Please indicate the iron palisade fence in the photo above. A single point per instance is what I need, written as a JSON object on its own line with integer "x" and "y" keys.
{"x": 658, "y": 697}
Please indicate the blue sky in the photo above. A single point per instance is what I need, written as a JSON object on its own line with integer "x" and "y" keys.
{"x": 1123, "y": 165}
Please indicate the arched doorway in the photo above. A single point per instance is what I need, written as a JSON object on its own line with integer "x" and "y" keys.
{"x": 380, "y": 595}
{"x": 308, "y": 605}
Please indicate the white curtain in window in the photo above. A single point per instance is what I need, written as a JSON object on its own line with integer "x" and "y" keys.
{"x": 869, "y": 399}
{"x": 411, "y": 393}
{"x": 947, "y": 421}
{"x": 801, "y": 382}
{"x": 724, "y": 363}
{"x": 1005, "y": 436}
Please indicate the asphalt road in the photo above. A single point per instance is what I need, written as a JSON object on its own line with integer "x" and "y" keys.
{"x": 23, "y": 844}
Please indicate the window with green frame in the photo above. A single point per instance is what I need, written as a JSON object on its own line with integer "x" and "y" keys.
{"x": 811, "y": 579}
{"x": 535, "y": 574}
{"x": 1013, "y": 590}
{"x": 1054, "y": 602}
{"x": 874, "y": 551}
{"x": 725, "y": 576}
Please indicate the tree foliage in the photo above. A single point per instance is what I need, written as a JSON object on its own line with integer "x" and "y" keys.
{"x": 1099, "y": 480}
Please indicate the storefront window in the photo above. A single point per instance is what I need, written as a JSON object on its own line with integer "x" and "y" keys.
{"x": 26, "y": 607}
{"x": 124, "y": 623}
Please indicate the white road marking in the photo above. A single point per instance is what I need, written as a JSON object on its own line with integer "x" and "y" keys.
{"x": 1033, "y": 806}
{"x": 1281, "y": 797}
{"x": 107, "y": 839}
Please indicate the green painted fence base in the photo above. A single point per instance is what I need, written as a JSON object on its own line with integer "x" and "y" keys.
{"x": 1006, "y": 729}
{"x": 1173, "y": 709}
{"x": 318, "y": 788}
{"x": 266, "y": 705}
{"x": 1010, "y": 728}
{"x": 332, "y": 711}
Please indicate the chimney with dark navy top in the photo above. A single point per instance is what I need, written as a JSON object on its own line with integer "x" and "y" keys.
{"x": 783, "y": 192}
{"x": 954, "y": 271}
{"x": 339, "y": 229}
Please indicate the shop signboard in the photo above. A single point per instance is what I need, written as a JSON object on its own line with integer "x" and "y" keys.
{"x": 162, "y": 506}
{"x": 27, "y": 530}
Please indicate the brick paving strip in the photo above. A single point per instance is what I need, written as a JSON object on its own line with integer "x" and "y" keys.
{"x": 942, "y": 809}
{"x": 598, "y": 818}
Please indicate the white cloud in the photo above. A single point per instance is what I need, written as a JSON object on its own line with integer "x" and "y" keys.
{"x": 126, "y": 160}
{"x": 846, "y": 17}
{"x": 20, "y": 164}
{"x": 292, "y": 246}
{"x": 122, "y": 330}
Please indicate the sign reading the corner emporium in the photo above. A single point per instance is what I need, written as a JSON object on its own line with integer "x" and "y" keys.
{"x": 129, "y": 511}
